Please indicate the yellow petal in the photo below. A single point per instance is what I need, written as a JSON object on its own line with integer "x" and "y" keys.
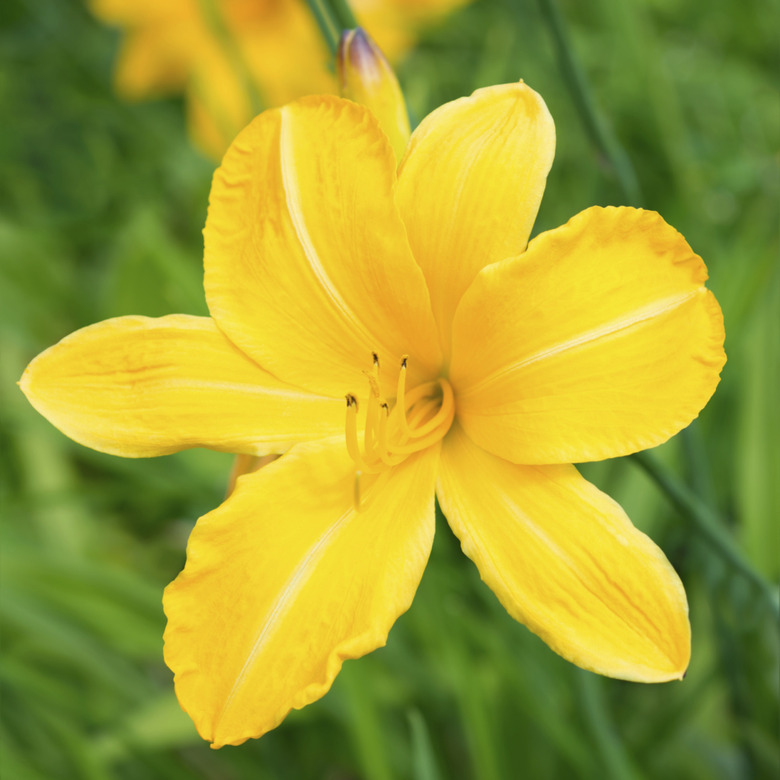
{"x": 470, "y": 186}
{"x": 286, "y": 580}
{"x": 219, "y": 105}
{"x": 137, "y": 387}
{"x": 284, "y": 50}
{"x": 308, "y": 268}
{"x": 150, "y": 64}
{"x": 366, "y": 77}
{"x": 137, "y": 12}
{"x": 394, "y": 23}
{"x": 162, "y": 42}
{"x": 564, "y": 560}
{"x": 599, "y": 341}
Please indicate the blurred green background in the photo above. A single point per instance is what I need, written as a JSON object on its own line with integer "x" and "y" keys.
{"x": 101, "y": 207}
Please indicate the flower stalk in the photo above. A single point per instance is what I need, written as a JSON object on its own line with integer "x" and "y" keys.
{"x": 216, "y": 22}
{"x": 601, "y": 137}
{"x": 706, "y": 523}
{"x": 332, "y": 17}
{"x": 325, "y": 21}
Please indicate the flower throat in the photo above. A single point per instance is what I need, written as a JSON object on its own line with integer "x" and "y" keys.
{"x": 417, "y": 420}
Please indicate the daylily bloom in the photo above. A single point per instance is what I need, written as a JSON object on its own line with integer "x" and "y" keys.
{"x": 475, "y": 366}
{"x": 234, "y": 57}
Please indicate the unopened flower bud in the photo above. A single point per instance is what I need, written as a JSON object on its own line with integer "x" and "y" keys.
{"x": 366, "y": 77}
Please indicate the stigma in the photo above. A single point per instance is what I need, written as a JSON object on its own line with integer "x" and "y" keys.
{"x": 396, "y": 428}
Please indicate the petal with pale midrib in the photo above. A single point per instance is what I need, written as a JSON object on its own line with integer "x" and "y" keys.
{"x": 600, "y": 340}
{"x": 470, "y": 186}
{"x": 308, "y": 268}
{"x": 564, "y": 560}
{"x": 139, "y": 387}
{"x": 286, "y": 580}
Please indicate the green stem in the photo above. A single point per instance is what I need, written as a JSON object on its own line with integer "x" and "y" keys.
{"x": 616, "y": 761}
{"x": 333, "y": 16}
{"x": 601, "y": 137}
{"x": 215, "y": 20}
{"x": 706, "y": 522}
{"x": 343, "y": 14}
{"x": 329, "y": 26}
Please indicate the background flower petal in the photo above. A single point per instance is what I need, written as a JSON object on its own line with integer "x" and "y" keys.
{"x": 470, "y": 186}
{"x": 307, "y": 264}
{"x": 137, "y": 387}
{"x": 281, "y": 56}
{"x": 162, "y": 43}
{"x": 599, "y": 341}
{"x": 286, "y": 580}
{"x": 564, "y": 560}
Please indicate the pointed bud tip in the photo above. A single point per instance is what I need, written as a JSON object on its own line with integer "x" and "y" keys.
{"x": 366, "y": 57}
{"x": 365, "y": 76}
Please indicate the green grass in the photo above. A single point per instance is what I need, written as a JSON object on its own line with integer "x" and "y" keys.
{"x": 101, "y": 207}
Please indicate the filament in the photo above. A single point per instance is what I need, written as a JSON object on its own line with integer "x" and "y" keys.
{"x": 400, "y": 398}
{"x": 417, "y": 420}
{"x": 351, "y": 430}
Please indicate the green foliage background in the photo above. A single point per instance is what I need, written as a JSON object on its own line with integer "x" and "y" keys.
{"x": 101, "y": 207}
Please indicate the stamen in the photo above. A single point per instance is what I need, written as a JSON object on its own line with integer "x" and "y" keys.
{"x": 434, "y": 429}
{"x": 351, "y": 435}
{"x": 417, "y": 445}
{"x": 374, "y": 401}
{"x": 351, "y": 430}
{"x": 410, "y": 417}
{"x": 428, "y": 390}
{"x": 381, "y": 438}
{"x": 417, "y": 420}
{"x": 400, "y": 399}
{"x": 384, "y": 449}
{"x": 447, "y": 407}
{"x": 420, "y": 413}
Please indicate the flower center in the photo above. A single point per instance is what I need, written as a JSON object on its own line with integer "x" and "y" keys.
{"x": 393, "y": 431}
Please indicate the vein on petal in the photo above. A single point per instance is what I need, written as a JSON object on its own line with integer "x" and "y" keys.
{"x": 638, "y": 316}
{"x": 283, "y": 602}
{"x": 575, "y": 568}
{"x": 295, "y": 210}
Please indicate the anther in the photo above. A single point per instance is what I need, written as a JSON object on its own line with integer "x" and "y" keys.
{"x": 418, "y": 419}
{"x": 351, "y": 429}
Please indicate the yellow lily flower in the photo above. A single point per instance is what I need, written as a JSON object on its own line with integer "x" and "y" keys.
{"x": 234, "y": 57}
{"x": 475, "y": 366}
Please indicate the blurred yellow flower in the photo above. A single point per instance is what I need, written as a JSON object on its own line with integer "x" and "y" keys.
{"x": 235, "y": 57}
{"x": 477, "y": 366}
